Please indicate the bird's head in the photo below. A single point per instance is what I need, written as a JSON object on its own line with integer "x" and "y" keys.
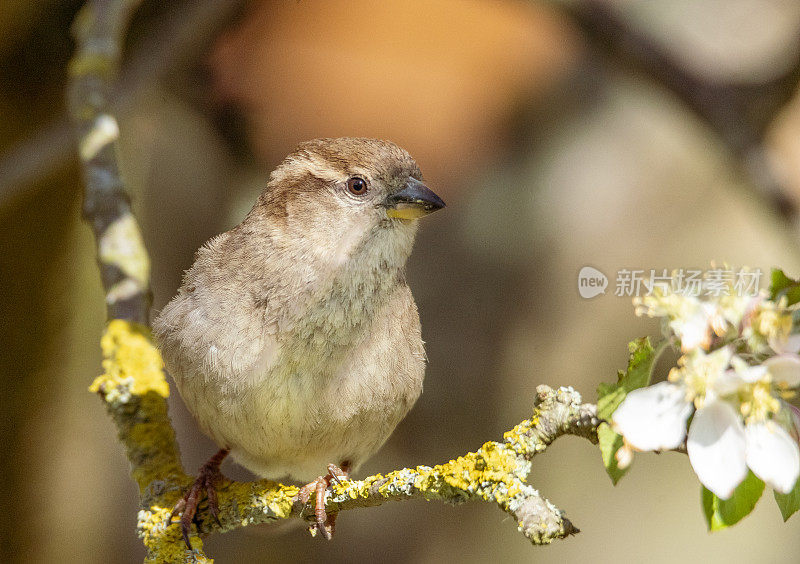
{"x": 334, "y": 196}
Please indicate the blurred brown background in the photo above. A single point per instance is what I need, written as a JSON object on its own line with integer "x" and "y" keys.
{"x": 624, "y": 134}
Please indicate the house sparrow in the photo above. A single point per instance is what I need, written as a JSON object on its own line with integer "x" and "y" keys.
{"x": 294, "y": 339}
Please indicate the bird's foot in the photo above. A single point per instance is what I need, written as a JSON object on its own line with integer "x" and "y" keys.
{"x": 206, "y": 481}
{"x": 323, "y": 522}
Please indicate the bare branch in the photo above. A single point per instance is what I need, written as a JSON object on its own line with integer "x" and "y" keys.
{"x": 124, "y": 264}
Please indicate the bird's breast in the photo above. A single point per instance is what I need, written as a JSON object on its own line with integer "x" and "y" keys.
{"x": 309, "y": 401}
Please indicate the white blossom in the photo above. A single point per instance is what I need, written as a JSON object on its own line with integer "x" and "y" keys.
{"x": 654, "y": 418}
{"x": 773, "y": 455}
{"x": 716, "y": 447}
{"x": 731, "y": 430}
{"x": 740, "y": 419}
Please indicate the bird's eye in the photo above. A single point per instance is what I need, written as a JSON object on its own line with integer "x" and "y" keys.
{"x": 357, "y": 186}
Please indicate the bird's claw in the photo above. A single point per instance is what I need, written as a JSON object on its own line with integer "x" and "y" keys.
{"x": 187, "y": 506}
{"x": 337, "y": 474}
{"x": 323, "y": 523}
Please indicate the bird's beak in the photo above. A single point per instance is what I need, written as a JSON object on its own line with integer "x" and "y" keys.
{"x": 413, "y": 201}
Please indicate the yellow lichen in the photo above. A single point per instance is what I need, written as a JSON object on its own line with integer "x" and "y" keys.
{"x": 164, "y": 543}
{"x": 272, "y": 499}
{"x": 494, "y": 473}
{"x": 153, "y": 443}
{"x": 518, "y": 438}
{"x": 491, "y": 472}
{"x": 130, "y": 361}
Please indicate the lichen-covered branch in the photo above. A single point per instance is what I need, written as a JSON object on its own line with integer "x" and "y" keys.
{"x": 133, "y": 384}
{"x": 496, "y": 472}
{"x": 133, "y": 387}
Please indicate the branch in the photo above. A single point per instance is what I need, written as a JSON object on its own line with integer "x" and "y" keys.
{"x": 133, "y": 388}
{"x": 496, "y": 472}
{"x": 123, "y": 259}
{"x": 133, "y": 384}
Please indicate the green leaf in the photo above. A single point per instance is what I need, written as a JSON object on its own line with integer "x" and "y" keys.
{"x": 641, "y": 359}
{"x": 610, "y": 443}
{"x": 781, "y": 285}
{"x": 722, "y": 513}
{"x": 778, "y": 282}
{"x": 789, "y": 503}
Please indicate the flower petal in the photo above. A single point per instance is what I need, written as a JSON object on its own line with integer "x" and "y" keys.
{"x": 773, "y": 455}
{"x": 728, "y": 383}
{"x": 753, "y": 374}
{"x": 716, "y": 446}
{"x": 654, "y": 418}
{"x": 790, "y": 344}
{"x": 784, "y": 368}
{"x": 693, "y": 332}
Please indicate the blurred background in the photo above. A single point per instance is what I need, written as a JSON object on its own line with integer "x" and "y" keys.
{"x": 625, "y": 134}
